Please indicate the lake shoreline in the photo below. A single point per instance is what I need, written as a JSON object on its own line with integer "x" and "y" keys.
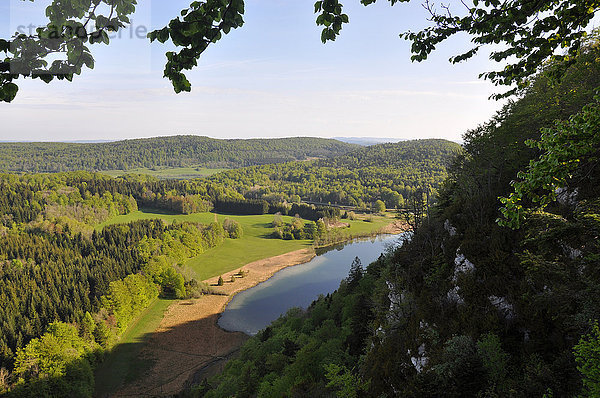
{"x": 189, "y": 339}
{"x": 266, "y": 269}
{"x": 395, "y": 228}
{"x": 189, "y": 334}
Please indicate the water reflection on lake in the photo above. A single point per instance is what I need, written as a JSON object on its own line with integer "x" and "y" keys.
{"x": 298, "y": 286}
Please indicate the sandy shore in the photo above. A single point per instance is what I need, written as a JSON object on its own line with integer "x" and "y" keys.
{"x": 188, "y": 339}
{"x": 396, "y": 227}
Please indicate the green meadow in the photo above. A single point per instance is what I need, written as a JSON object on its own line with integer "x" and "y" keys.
{"x": 123, "y": 364}
{"x": 256, "y": 243}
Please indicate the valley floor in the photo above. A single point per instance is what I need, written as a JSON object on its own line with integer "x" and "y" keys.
{"x": 158, "y": 358}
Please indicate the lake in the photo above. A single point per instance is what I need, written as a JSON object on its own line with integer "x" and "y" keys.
{"x": 298, "y": 286}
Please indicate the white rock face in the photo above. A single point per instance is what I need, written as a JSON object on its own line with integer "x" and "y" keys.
{"x": 395, "y": 311}
{"x": 449, "y": 228}
{"x": 420, "y": 361}
{"x": 395, "y": 299}
{"x": 454, "y": 297}
{"x": 380, "y": 333}
{"x": 461, "y": 265}
{"x": 566, "y": 198}
{"x": 502, "y": 304}
{"x": 571, "y": 252}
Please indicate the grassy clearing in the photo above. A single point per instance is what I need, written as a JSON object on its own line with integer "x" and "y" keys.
{"x": 365, "y": 227}
{"x": 178, "y": 173}
{"x": 256, "y": 243}
{"x": 123, "y": 363}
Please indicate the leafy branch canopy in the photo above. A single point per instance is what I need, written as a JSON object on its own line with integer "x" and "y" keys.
{"x": 528, "y": 32}
{"x": 60, "y": 49}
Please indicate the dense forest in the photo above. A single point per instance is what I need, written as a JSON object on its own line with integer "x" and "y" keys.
{"x": 57, "y": 269}
{"x": 52, "y": 280}
{"x": 177, "y": 151}
{"x": 68, "y": 288}
{"x": 392, "y": 173}
{"x": 488, "y": 298}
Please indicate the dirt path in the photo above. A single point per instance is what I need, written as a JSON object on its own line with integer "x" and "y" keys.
{"x": 188, "y": 338}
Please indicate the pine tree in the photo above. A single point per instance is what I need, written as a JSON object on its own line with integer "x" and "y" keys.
{"x": 355, "y": 274}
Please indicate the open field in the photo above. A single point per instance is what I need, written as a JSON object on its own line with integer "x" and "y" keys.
{"x": 255, "y": 244}
{"x": 178, "y": 173}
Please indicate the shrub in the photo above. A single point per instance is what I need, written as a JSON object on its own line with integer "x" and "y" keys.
{"x": 233, "y": 228}
{"x": 379, "y": 206}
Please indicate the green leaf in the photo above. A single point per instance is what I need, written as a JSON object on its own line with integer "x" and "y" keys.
{"x": 46, "y": 77}
{"x": 163, "y": 35}
{"x": 8, "y": 92}
{"x": 4, "y": 45}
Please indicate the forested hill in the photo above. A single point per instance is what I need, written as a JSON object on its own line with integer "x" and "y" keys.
{"x": 420, "y": 153}
{"x": 392, "y": 173}
{"x": 177, "y": 151}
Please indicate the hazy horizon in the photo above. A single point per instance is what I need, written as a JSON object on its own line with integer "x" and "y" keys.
{"x": 273, "y": 77}
{"x": 349, "y": 139}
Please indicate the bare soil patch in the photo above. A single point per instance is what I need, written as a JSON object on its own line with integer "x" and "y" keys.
{"x": 397, "y": 227}
{"x": 336, "y": 224}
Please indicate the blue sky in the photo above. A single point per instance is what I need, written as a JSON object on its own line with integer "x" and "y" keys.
{"x": 271, "y": 78}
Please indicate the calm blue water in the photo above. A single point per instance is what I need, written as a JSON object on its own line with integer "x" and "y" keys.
{"x": 298, "y": 286}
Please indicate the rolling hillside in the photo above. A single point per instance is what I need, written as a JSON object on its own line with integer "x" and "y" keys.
{"x": 176, "y": 151}
{"x": 389, "y": 172}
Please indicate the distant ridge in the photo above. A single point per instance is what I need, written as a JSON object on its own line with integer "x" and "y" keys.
{"x": 59, "y": 142}
{"x": 368, "y": 141}
{"x": 173, "y": 151}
